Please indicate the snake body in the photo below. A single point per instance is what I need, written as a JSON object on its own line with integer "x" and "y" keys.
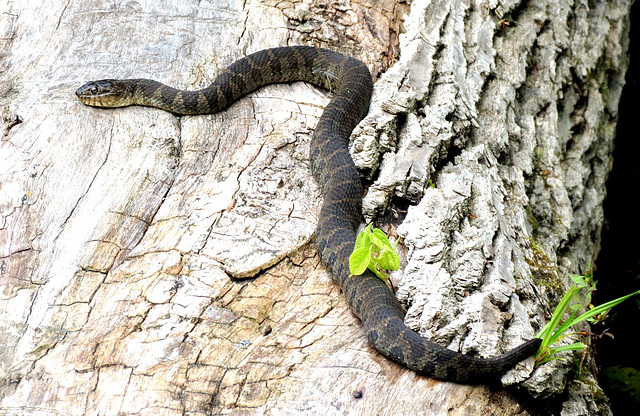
{"x": 349, "y": 79}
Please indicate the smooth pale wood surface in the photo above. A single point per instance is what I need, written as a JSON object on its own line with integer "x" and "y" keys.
{"x": 125, "y": 234}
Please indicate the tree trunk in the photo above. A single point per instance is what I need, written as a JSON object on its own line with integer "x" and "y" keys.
{"x": 154, "y": 264}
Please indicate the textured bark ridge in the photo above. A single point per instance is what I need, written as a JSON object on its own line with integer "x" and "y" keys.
{"x": 123, "y": 234}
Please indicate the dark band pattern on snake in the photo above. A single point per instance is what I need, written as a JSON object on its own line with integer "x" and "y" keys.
{"x": 349, "y": 79}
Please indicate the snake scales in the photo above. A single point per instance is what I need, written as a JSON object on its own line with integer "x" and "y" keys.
{"x": 350, "y": 81}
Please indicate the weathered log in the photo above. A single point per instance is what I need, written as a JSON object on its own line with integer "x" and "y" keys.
{"x": 153, "y": 264}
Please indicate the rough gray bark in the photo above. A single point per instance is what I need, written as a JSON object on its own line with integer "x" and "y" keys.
{"x": 123, "y": 233}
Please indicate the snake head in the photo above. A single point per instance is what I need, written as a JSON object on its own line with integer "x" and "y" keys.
{"x": 105, "y": 93}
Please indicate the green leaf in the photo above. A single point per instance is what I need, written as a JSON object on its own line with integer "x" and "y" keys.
{"x": 362, "y": 240}
{"x": 556, "y": 329}
{"x": 602, "y": 308}
{"x": 549, "y": 356}
{"x": 373, "y": 251}
{"x": 557, "y": 313}
{"x": 379, "y": 239}
{"x": 382, "y": 274}
{"x": 572, "y": 347}
{"x": 359, "y": 260}
{"x": 578, "y": 280}
{"x": 389, "y": 260}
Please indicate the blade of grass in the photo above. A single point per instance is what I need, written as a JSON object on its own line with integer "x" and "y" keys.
{"x": 602, "y": 308}
{"x": 548, "y": 330}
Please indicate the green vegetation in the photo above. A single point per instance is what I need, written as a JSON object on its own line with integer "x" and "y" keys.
{"x": 373, "y": 251}
{"x": 578, "y": 298}
{"x": 623, "y": 380}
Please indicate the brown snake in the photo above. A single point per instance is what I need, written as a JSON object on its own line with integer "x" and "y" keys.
{"x": 349, "y": 79}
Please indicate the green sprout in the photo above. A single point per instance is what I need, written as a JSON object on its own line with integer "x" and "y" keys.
{"x": 557, "y": 328}
{"x": 373, "y": 251}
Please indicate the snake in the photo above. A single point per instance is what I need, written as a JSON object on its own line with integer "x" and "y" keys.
{"x": 351, "y": 85}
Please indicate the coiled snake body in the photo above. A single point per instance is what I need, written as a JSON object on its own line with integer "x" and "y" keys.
{"x": 350, "y": 81}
